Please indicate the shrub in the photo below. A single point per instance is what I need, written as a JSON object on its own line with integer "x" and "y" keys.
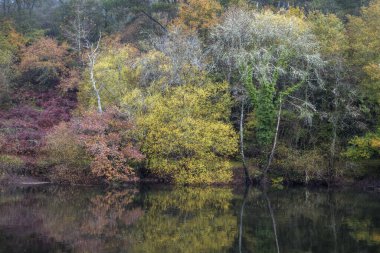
{"x": 43, "y": 62}
{"x": 24, "y": 126}
{"x": 63, "y": 148}
{"x": 301, "y": 166}
{"x": 365, "y": 147}
{"x": 186, "y": 135}
{"x": 94, "y": 145}
{"x": 11, "y": 164}
{"x": 107, "y": 140}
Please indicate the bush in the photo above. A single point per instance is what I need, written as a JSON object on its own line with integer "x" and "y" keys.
{"x": 24, "y": 126}
{"x": 44, "y": 62}
{"x": 94, "y": 146}
{"x": 11, "y": 164}
{"x": 365, "y": 147}
{"x": 186, "y": 135}
{"x": 63, "y": 148}
{"x": 301, "y": 166}
{"x": 65, "y": 158}
{"x": 63, "y": 174}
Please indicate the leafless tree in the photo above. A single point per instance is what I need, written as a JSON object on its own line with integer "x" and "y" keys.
{"x": 78, "y": 27}
{"x": 181, "y": 51}
{"x": 92, "y": 55}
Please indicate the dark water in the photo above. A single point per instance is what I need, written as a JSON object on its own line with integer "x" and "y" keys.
{"x": 81, "y": 219}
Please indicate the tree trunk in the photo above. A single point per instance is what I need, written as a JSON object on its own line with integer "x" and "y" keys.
{"x": 273, "y": 221}
{"x": 241, "y": 217}
{"x": 274, "y": 143}
{"x": 241, "y": 132}
{"x": 96, "y": 90}
{"x": 92, "y": 60}
{"x": 332, "y": 207}
{"x": 332, "y": 174}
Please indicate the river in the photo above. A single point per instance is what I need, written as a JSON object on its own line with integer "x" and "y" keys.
{"x": 164, "y": 219}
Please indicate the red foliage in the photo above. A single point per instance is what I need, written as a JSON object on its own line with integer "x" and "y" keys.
{"x": 24, "y": 126}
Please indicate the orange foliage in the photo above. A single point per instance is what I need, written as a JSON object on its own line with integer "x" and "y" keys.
{"x": 198, "y": 14}
{"x": 44, "y": 53}
{"x": 105, "y": 138}
{"x": 44, "y": 62}
{"x": 98, "y": 142}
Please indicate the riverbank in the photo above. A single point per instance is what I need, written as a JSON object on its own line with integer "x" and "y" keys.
{"x": 369, "y": 183}
{"x": 22, "y": 180}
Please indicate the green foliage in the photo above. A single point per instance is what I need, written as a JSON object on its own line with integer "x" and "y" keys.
{"x": 265, "y": 115}
{"x": 274, "y": 54}
{"x": 307, "y": 64}
{"x": 186, "y": 135}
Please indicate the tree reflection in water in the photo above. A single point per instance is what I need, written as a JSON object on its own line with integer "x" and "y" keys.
{"x": 186, "y": 220}
{"x": 80, "y": 219}
{"x": 162, "y": 219}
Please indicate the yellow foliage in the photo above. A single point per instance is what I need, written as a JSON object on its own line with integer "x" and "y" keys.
{"x": 330, "y": 32}
{"x": 365, "y": 147}
{"x": 196, "y": 223}
{"x": 186, "y": 137}
{"x": 291, "y": 25}
{"x": 302, "y": 166}
{"x": 364, "y": 34}
{"x": 10, "y": 39}
{"x": 182, "y": 124}
{"x": 62, "y": 147}
{"x": 375, "y": 143}
{"x": 373, "y": 71}
{"x": 113, "y": 72}
{"x": 296, "y": 12}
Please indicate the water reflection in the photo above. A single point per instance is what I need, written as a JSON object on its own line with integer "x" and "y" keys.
{"x": 78, "y": 219}
{"x": 186, "y": 220}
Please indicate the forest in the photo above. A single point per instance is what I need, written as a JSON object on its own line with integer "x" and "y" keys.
{"x": 190, "y": 92}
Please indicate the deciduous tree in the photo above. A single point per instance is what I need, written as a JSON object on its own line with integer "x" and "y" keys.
{"x": 44, "y": 62}
{"x": 364, "y": 37}
{"x": 274, "y": 55}
{"x": 186, "y": 134}
{"x": 198, "y": 15}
